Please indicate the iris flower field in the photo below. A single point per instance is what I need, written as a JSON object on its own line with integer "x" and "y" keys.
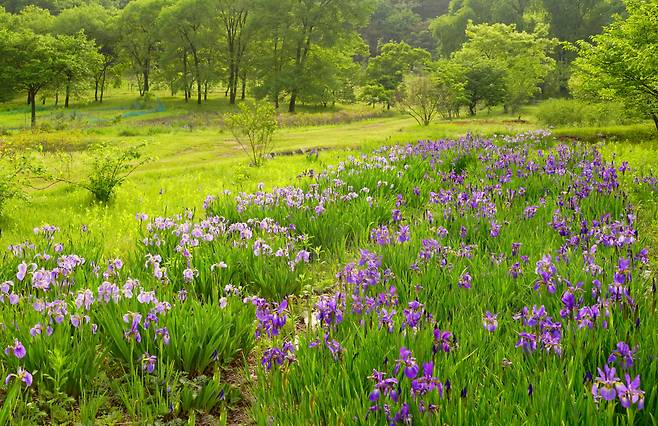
{"x": 503, "y": 280}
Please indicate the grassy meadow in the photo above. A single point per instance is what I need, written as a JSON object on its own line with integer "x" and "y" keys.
{"x": 475, "y": 271}
{"x": 193, "y": 154}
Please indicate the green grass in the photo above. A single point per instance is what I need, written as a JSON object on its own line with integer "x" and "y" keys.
{"x": 194, "y": 155}
{"x": 190, "y": 164}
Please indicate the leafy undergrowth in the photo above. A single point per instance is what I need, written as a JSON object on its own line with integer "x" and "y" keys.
{"x": 466, "y": 281}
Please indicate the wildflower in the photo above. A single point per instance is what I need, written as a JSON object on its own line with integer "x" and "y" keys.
{"x": 444, "y": 340}
{"x": 413, "y": 314}
{"x": 147, "y": 297}
{"x": 629, "y": 393}
{"x": 148, "y": 362}
{"x": 490, "y": 321}
{"x": 623, "y": 352}
{"x": 220, "y": 265}
{"x": 407, "y": 361}
{"x": 527, "y": 341}
{"x": 85, "y": 298}
{"x": 189, "y": 274}
{"x": 465, "y": 281}
{"x": 18, "y": 350}
{"x": 403, "y": 234}
{"x": 386, "y": 319}
{"x": 333, "y": 345}
{"x": 302, "y": 256}
{"x": 383, "y": 386}
{"x": 278, "y": 356}
{"x": 22, "y": 375}
{"x": 605, "y": 384}
{"x": 271, "y": 318}
{"x": 427, "y": 382}
{"x": 164, "y": 333}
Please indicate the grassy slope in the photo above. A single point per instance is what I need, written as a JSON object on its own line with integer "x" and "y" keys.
{"x": 194, "y": 157}
{"x": 191, "y": 164}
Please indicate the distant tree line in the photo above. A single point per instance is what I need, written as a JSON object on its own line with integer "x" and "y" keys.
{"x": 470, "y": 54}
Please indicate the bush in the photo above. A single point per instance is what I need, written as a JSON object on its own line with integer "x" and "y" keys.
{"x": 253, "y": 128}
{"x": 109, "y": 167}
{"x": 572, "y": 112}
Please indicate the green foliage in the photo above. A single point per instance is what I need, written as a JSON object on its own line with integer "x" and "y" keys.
{"x": 387, "y": 70}
{"x": 572, "y": 112}
{"x": 621, "y": 64}
{"x": 450, "y": 87}
{"x": 253, "y": 128}
{"x": 109, "y": 167}
{"x": 578, "y": 20}
{"x": 524, "y": 58}
{"x": 206, "y": 334}
{"x": 419, "y": 97}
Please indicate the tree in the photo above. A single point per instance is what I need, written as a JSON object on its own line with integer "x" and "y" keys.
{"x": 573, "y": 20}
{"x": 395, "y": 61}
{"x": 100, "y": 25}
{"x": 621, "y": 63}
{"x": 403, "y": 20}
{"x": 191, "y": 21}
{"x": 419, "y": 97}
{"x": 35, "y": 19}
{"x": 485, "y": 84}
{"x": 449, "y": 78}
{"x": 28, "y": 63}
{"x": 140, "y": 40}
{"x": 77, "y": 61}
{"x": 524, "y": 57}
{"x": 293, "y": 29}
{"x": 233, "y": 15}
{"x": 253, "y": 127}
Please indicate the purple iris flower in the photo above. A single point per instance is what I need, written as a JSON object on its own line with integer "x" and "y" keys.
{"x": 22, "y": 375}
{"x": 17, "y": 349}
{"x": 465, "y": 281}
{"x": 427, "y": 382}
{"x": 148, "y": 362}
{"x": 490, "y": 321}
{"x": 629, "y": 393}
{"x": 624, "y": 353}
{"x": 408, "y": 362}
{"x": 605, "y": 384}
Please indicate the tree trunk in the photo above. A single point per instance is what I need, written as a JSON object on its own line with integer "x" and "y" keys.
{"x": 232, "y": 84}
{"x": 655, "y": 119}
{"x": 103, "y": 84}
{"x": 56, "y": 98}
{"x": 293, "y": 101}
{"x": 197, "y": 70}
{"x": 185, "y": 77}
{"x": 205, "y": 91}
{"x": 96, "y": 84}
{"x": 146, "y": 79}
{"x": 68, "y": 94}
{"x": 32, "y": 96}
{"x": 244, "y": 86}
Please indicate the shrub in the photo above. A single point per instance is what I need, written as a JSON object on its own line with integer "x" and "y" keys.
{"x": 253, "y": 128}
{"x": 110, "y": 166}
{"x": 572, "y": 112}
